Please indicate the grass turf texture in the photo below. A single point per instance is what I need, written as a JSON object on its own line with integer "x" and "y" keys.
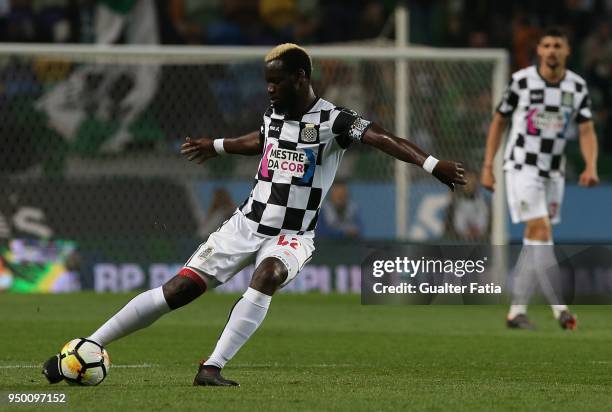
{"x": 319, "y": 352}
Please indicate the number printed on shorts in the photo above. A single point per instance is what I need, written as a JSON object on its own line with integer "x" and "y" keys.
{"x": 294, "y": 242}
{"x": 553, "y": 209}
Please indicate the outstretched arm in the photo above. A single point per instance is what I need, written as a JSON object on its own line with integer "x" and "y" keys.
{"x": 494, "y": 138}
{"x": 203, "y": 149}
{"x": 448, "y": 172}
{"x": 588, "y": 147}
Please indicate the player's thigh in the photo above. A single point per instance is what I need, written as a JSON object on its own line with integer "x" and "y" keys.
{"x": 526, "y": 197}
{"x": 555, "y": 189}
{"x": 226, "y": 251}
{"x": 293, "y": 251}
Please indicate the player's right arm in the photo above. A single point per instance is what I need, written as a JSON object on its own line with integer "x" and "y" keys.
{"x": 203, "y": 149}
{"x": 496, "y": 132}
{"x": 494, "y": 138}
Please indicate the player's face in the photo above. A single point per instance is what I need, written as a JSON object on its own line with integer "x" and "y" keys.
{"x": 282, "y": 86}
{"x": 553, "y": 51}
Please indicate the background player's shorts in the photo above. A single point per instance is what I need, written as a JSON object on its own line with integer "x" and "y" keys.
{"x": 531, "y": 197}
{"x": 234, "y": 246}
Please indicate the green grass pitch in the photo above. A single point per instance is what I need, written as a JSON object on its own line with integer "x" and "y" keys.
{"x": 319, "y": 352}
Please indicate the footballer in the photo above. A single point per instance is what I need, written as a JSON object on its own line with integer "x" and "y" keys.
{"x": 544, "y": 103}
{"x": 301, "y": 142}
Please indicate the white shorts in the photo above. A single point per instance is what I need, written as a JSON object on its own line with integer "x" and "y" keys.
{"x": 531, "y": 197}
{"x": 234, "y": 246}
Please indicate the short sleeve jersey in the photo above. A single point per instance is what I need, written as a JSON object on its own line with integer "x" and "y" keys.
{"x": 298, "y": 165}
{"x": 542, "y": 116}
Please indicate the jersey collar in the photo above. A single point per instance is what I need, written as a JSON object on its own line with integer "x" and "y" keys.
{"x": 550, "y": 84}
{"x": 307, "y": 110}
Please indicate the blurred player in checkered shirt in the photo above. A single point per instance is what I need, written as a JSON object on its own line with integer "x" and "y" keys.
{"x": 545, "y": 104}
{"x": 301, "y": 142}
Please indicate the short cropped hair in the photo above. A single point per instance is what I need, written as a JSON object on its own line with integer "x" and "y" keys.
{"x": 293, "y": 57}
{"x": 554, "y": 31}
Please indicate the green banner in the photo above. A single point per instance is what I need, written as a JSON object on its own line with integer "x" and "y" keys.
{"x": 39, "y": 266}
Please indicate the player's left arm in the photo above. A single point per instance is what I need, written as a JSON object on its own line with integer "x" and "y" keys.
{"x": 589, "y": 149}
{"x": 448, "y": 172}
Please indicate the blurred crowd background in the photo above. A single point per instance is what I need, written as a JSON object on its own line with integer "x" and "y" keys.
{"x": 513, "y": 25}
{"x": 77, "y": 120}
{"x": 90, "y": 147}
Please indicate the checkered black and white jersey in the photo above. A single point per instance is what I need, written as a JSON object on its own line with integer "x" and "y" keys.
{"x": 298, "y": 166}
{"x": 543, "y": 117}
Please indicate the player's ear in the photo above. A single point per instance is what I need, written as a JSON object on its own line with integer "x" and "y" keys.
{"x": 301, "y": 75}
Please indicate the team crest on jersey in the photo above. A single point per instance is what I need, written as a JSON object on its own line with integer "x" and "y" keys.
{"x": 567, "y": 99}
{"x": 309, "y": 134}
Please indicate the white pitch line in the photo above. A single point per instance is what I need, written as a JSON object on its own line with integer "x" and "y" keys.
{"x": 276, "y": 365}
{"x": 142, "y": 365}
{"x": 240, "y": 365}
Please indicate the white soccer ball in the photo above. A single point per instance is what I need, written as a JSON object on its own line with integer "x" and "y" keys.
{"x": 84, "y": 362}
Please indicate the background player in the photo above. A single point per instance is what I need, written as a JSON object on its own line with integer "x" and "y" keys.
{"x": 544, "y": 103}
{"x": 301, "y": 141}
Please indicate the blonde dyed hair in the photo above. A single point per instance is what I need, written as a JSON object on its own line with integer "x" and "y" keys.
{"x": 281, "y": 49}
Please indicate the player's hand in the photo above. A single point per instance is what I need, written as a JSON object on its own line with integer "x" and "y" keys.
{"x": 198, "y": 150}
{"x": 487, "y": 178}
{"x": 450, "y": 173}
{"x": 588, "y": 178}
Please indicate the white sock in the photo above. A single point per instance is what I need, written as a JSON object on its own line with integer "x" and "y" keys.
{"x": 548, "y": 274}
{"x": 524, "y": 281}
{"x": 139, "y": 313}
{"x": 516, "y": 310}
{"x": 557, "y": 309}
{"x": 244, "y": 319}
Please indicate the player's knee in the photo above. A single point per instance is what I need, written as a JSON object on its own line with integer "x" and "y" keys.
{"x": 269, "y": 275}
{"x": 181, "y": 290}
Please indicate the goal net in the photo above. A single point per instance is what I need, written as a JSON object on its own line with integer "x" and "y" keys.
{"x": 90, "y": 139}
